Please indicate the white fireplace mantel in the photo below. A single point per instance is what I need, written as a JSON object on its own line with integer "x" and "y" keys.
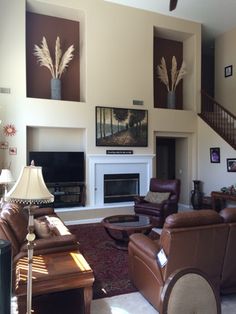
{"x": 115, "y": 164}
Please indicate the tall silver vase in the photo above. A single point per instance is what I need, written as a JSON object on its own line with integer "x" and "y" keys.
{"x": 171, "y": 100}
{"x": 55, "y": 88}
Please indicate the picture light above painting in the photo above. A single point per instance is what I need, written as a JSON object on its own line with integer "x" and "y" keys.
{"x": 121, "y": 127}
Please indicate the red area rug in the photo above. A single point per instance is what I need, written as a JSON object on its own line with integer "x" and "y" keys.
{"x": 109, "y": 264}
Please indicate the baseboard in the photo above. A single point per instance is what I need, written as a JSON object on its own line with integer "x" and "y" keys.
{"x": 82, "y": 221}
{"x": 184, "y": 207}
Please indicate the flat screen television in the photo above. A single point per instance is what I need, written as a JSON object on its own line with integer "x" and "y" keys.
{"x": 60, "y": 167}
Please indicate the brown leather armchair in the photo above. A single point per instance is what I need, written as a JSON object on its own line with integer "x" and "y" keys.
{"x": 228, "y": 278}
{"x": 159, "y": 211}
{"x": 189, "y": 239}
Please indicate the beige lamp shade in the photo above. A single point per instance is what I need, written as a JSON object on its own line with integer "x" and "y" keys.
{"x": 6, "y": 176}
{"x": 30, "y": 188}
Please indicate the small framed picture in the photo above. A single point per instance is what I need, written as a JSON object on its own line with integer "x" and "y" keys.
{"x": 12, "y": 150}
{"x": 215, "y": 155}
{"x": 231, "y": 164}
{"x": 228, "y": 70}
{"x": 4, "y": 145}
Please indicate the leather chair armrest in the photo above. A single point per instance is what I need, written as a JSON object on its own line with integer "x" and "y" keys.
{"x": 139, "y": 199}
{"x": 145, "y": 245}
{"x": 170, "y": 204}
{"x": 142, "y": 248}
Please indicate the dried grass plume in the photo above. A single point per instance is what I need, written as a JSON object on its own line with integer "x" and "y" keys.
{"x": 61, "y": 62}
{"x": 176, "y": 75}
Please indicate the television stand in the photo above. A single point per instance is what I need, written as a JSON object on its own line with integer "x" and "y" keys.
{"x": 68, "y": 194}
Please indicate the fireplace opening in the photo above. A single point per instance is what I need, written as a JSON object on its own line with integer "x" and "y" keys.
{"x": 120, "y": 187}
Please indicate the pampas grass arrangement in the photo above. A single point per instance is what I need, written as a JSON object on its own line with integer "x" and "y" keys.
{"x": 176, "y": 75}
{"x": 61, "y": 61}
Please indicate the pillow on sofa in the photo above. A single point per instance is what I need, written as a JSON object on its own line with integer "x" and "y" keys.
{"x": 156, "y": 197}
{"x": 57, "y": 226}
{"x": 42, "y": 229}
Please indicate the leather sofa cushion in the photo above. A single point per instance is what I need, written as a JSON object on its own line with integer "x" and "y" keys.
{"x": 193, "y": 218}
{"x": 156, "y": 197}
{"x": 229, "y": 214}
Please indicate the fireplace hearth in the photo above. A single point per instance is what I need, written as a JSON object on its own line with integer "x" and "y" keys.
{"x": 120, "y": 187}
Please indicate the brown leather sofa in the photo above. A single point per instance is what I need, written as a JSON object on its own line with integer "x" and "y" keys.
{"x": 51, "y": 234}
{"x": 228, "y": 276}
{"x": 159, "y": 211}
{"x": 195, "y": 239}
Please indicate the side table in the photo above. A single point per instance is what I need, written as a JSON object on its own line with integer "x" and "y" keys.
{"x": 223, "y": 197}
{"x": 53, "y": 273}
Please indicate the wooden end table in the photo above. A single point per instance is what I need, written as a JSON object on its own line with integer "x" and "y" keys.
{"x": 120, "y": 227}
{"x": 223, "y": 197}
{"x": 53, "y": 273}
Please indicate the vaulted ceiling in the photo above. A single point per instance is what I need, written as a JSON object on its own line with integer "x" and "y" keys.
{"x": 216, "y": 16}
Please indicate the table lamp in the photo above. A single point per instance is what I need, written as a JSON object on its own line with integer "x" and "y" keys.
{"x": 5, "y": 179}
{"x": 30, "y": 189}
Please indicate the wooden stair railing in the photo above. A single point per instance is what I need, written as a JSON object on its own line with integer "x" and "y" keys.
{"x": 218, "y": 118}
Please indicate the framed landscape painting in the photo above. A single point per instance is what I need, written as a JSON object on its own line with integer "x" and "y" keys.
{"x": 121, "y": 127}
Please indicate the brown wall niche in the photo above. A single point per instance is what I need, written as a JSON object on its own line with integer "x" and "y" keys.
{"x": 166, "y": 48}
{"x": 39, "y": 77}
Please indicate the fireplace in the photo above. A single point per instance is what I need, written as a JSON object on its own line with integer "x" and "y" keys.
{"x": 99, "y": 165}
{"x": 120, "y": 187}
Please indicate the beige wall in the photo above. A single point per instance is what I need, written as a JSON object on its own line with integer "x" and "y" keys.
{"x": 117, "y": 66}
{"x": 213, "y": 175}
{"x": 225, "y": 54}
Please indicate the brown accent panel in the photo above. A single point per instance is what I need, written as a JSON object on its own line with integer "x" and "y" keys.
{"x": 166, "y": 48}
{"x": 38, "y": 77}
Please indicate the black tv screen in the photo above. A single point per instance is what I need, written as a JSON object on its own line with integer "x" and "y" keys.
{"x": 60, "y": 167}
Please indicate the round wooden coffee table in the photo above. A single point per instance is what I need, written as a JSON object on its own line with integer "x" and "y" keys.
{"x": 120, "y": 227}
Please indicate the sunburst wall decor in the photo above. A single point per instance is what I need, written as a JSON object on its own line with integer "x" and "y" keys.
{"x": 9, "y": 130}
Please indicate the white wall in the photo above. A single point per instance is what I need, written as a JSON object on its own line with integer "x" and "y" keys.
{"x": 55, "y": 139}
{"x": 213, "y": 175}
{"x": 225, "y": 55}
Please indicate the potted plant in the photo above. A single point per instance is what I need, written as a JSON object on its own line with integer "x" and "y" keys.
{"x": 176, "y": 76}
{"x": 58, "y": 68}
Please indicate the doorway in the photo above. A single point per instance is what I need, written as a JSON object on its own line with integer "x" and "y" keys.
{"x": 165, "y": 158}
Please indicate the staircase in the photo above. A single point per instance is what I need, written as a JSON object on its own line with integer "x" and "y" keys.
{"x": 219, "y": 119}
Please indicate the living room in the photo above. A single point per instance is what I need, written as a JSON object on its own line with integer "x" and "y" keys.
{"x": 111, "y": 75}
{"x": 116, "y": 67}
